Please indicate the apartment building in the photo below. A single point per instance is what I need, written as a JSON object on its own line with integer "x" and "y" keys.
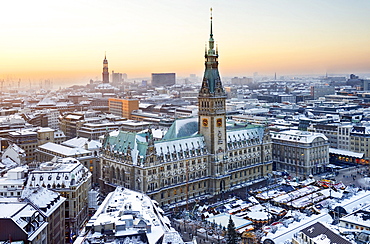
{"x": 72, "y": 180}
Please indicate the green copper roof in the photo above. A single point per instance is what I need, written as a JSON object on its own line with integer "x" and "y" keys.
{"x": 211, "y": 76}
{"x": 121, "y": 142}
{"x": 182, "y": 128}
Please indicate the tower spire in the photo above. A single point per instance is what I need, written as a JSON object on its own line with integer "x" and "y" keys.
{"x": 211, "y": 40}
{"x": 211, "y": 25}
{"x": 211, "y": 84}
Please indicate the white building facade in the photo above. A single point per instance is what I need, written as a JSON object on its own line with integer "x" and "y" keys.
{"x": 300, "y": 152}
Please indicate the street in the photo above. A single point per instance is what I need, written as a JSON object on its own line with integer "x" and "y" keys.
{"x": 353, "y": 176}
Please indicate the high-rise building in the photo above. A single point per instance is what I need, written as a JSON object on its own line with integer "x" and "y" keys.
{"x": 105, "y": 70}
{"x": 122, "y": 107}
{"x": 117, "y": 77}
{"x": 196, "y": 158}
{"x": 321, "y": 90}
{"x": 163, "y": 79}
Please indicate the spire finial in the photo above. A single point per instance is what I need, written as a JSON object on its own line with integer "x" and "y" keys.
{"x": 211, "y": 23}
{"x": 105, "y": 55}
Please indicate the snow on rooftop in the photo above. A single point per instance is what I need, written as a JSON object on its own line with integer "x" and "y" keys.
{"x": 346, "y": 153}
{"x": 223, "y": 220}
{"x": 43, "y": 198}
{"x": 128, "y": 213}
{"x": 72, "y": 116}
{"x": 114, "y": 133}
{"x": 10, "y": 209}
{"x": 23, "y": 132}
{"x": 157, "y": 133}
{"x": 81, "y": 142}
{"x": 62, "y": 174}
{"x": 297, "y": 136}
{"x": 244, "y": 134}
{"x": 45, "y": 129}
{"x": 362, "y": 198}
{"x": 17, "y": 148}
{"x": 171, "y": 146}
{"x": 7, "y": 163}
{"x": 66, "y": 151}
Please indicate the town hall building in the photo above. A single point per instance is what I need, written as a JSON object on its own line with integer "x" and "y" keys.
{"x": 196, "y": 158}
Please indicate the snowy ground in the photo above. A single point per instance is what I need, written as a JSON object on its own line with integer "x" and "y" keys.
{"x": 364, "y": 182}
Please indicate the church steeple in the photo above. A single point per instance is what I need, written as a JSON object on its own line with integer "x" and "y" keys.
{"x": 105, "y": 73}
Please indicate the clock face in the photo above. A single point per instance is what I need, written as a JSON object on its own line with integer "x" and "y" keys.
{"x": 205, "y": 122}
{"x": 219, "y": 122}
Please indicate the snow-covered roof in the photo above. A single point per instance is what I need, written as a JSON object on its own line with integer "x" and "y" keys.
{"x": 179, "y": 146}
{"x": 81, "y": 142}
{"x": 14, "y": 177}
{"x": 223, "y": 220}
{"x": 362, "y": 198}
{"x": 7, "y": 163}
{"x": 134, "y": 210}
{"x": 261, "y": 215}
{"x": 319, "y": 233}
{"x": 72, "y": 116}
{"x": 246, "y": 133}
{"x": 46, "y": 101}
{"x": 297, "y": 136}
{"x": 16, "y": 148}
{"x": 346, "y": 153}
{"x": 66, "y": 151}
{"x": 21, "y": 213}
{"x": 23, "y": 132}
{"x": 46, "y": 200}
{"x": 45, "y": 129}
{"x": 296, "y": 194}
{"x": 62, "y": 174}
{"x": 105, "y": 86}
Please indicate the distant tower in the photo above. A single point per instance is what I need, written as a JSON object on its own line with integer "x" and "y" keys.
{"x": 212, "y": 103}
{"x": 105, "y": 70}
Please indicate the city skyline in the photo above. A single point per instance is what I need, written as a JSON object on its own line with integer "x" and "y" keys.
{"x": 66, "y": 41}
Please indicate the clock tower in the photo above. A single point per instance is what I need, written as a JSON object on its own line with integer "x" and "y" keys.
{"x": 212, "y": 104}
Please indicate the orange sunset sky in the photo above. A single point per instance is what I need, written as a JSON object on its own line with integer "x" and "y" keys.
{"x": 65, "y": 41}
